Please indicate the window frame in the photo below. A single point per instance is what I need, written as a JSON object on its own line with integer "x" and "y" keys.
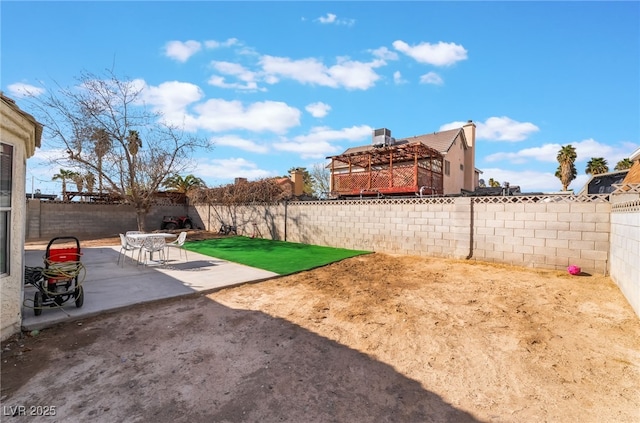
{"x": 7, "y": 179}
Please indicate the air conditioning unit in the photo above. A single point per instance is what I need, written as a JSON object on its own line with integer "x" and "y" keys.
{"x": 382, "y": 137}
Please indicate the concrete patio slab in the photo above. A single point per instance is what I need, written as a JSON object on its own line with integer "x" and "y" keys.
{"x": 109, "y": 286}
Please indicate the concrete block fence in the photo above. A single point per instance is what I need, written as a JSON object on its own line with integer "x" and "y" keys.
{"x": 625, "y": 249}
{"x": 599, "y": 235}
{"x": 534, "y": 234}
{"x": 50, "y": 219}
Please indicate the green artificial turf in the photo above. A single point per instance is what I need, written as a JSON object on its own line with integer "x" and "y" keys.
{"x": 276, "y": 256}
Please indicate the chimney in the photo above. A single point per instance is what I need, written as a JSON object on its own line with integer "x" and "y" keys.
{"x": 470, "y": 132}
{"x": 239, "y": 181}
{"x": 297, "y": 177}
{"x": 469, "y": 129}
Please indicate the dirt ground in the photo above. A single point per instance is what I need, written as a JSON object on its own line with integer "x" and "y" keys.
{"x": 376, "y": 338}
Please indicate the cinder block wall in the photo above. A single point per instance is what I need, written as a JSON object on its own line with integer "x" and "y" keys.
{"x": 542, "y": 235}
{"x": 50, "y": 219}
{"x": 550, "y": 235}
{"x": 625, "y": 250}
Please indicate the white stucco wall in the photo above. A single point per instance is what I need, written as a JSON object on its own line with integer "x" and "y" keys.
{"x": 22, "y": 132}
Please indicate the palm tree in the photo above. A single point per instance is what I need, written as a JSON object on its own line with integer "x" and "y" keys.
{"x": 134, "y": 141}
{"x": 78, "y": 179}
{"x": 177, "y": 183}
{"x": 90, "y": 180}
{"x": 566, "y": 171}
{"x": 596, "y": 166}
{"x": 623, "y": 164}
{"x": 102, "y": 145}
{"x": 64, "y": 175}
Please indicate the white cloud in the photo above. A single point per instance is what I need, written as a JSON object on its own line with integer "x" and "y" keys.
{"x": 499, "y": 129}
{"x": 544, "y": 153}
{"x": 21, "y": 90}
{"x": 431, "y": 78}
{"x": 307, "y": 151}
{"x": 349, "y": 74}
{"x": 174, "y": 98}
{"x": 241, "y": 143}
{"x": 331, "y": 18}
{"x": 171, "y": 99}
{"x": 219, "y": 81}
{"x": 317, "y": 144}
{"x": 398, "y": 79}
{"x": 318, "y": 109}
{"x": 182, "y": 51}
{"x": 585, "y": 150}
{"x": 249, "y": 78}
{"x": 385, "y": 54}
{"x": 223, "y": 115}
{"x": 225, "y": 170}
{"x": 48, "y": 155}
{"x": 441, "y": 54}
{"x": 212, "y": 44}
{"x": 589, "y": 148}
{"x": 172, "y": 95}
{"x": 323, "y": 133}
{"x": 234, "y": 69}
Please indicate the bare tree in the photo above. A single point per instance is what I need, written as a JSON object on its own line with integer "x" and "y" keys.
{"x": 104, "y": 128}
{"x": 321, "y": 177}
{"x": 225, "y": 200}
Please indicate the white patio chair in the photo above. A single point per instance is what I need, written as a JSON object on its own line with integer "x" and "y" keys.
{"x": 135, "y": 243}
{"x": 154, "y": 244}
{"x": 126, "y": 246}
{"x": 178, "y": 243}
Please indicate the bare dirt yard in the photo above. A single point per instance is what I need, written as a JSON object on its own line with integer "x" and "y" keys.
{"x": 376, "y": 338}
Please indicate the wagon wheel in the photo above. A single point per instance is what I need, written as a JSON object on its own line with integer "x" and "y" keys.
{"x": 37, "y": 303}
{"x": 79, "y": 296}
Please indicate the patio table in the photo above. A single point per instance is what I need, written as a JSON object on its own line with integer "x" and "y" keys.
{"x": 145, "y": 235}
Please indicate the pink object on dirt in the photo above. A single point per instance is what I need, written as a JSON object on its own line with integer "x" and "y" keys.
{"x": 574, "y": 270}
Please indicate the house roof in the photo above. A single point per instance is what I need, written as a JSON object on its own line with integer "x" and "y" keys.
{"x": 37, "y": 125}
{"x": 633, "y": 176}
{"x": 603, "y": 183}
{"x": 439, "y": 141}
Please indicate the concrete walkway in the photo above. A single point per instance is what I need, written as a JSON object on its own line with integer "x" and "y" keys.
{"x": 109, "y": 286}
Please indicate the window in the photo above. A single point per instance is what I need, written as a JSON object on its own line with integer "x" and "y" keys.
{"x": 6, "y": 183}
{"x": 447, "y": 167}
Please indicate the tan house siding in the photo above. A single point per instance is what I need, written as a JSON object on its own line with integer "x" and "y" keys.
{"x": 19, "y": 130}
{"x": 455, "y": 180}
{"x": 456, "y": 145}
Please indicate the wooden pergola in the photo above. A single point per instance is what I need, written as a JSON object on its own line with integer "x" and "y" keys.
{"x": 392, "y": 170}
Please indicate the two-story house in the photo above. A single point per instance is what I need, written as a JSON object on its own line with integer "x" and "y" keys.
{"x": 440, "y": 163}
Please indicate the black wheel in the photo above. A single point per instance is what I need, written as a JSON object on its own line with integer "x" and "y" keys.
{"x": 79, "y": 295}
{"x": 170, "y": 226}
{"x": 37, "y": 303}
{"x": 187, "y": 225}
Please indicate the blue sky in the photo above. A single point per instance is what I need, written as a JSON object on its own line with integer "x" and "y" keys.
{"x": 276, "y": 85}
